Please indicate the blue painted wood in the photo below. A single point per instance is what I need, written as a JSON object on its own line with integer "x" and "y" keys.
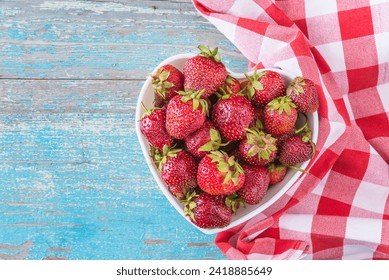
{"x": 73, "y": 182}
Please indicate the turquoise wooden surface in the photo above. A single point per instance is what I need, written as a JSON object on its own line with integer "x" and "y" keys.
{"x": 73, "y": 182}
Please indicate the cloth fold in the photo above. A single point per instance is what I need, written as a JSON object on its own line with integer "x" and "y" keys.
{"x": 340, "y": 210}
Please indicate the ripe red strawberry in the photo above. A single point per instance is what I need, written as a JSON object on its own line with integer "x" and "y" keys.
{"x": 280, "y": 116}
{"x": 219, "y": 174}
{"x": 303, "y": 93}
{"x": 178, "y": 170}
{"x": 232, "y": 114}
{"x": 204, "y": 71}
{"x": 152, "y": 126}
{"x": 166, "y": 81}
{"x": 207, "y": 211}
{"x": 277, "y": 172}
{"x": 185, "y": 113}
{"x": 283, "y": 137}
{"x": 231, "y": 85}
{"x": 296, "y": 150}
{"x": 258, "y": 148}
{"x": 264, "y": 86}
{"x": 204, "y": 140}
{"x": 256, "y": 184}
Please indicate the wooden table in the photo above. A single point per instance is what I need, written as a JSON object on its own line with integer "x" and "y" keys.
{"x": 73, "y": 181}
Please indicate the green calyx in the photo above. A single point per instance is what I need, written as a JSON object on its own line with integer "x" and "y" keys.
{"x": 275, "y": 167}
{"x": 149, "y": 111}
{"x": 195, "y": 96}
{"x": 262, "y": 145}
{"x": 225, "y": 94}
{"x": 230, "y": 81}
{"x": 189, "y": 204}
{"x": 207, "y": 52}
{"x": 161, "y": 156}
{"x": 160, "y": 83}
{"x": 234, "y": 201}
{"x": 226, "y": 164}
{"x": 297, "y": 86}
{"x": 281, "y": 104}
{"x": 254, "y": 84}
{"x": 226, "y": 88}
{"x": 215, "y": 142}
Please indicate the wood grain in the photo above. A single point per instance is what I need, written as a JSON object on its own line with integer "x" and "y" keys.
{"x": 99, "y": 39}
{"x": 73, "y": 181}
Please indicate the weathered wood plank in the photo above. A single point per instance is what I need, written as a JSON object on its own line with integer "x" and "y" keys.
{"x": 101, "y": 40}
{"x": 74, "y": 182}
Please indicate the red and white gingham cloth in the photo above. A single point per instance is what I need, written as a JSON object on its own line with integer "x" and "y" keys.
{"x": 341, "y": 210}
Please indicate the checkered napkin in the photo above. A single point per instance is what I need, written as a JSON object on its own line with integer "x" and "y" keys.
{"x": 341, "y": 210}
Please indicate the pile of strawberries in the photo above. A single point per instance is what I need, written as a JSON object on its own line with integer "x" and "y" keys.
{"x": 220, "y": 143}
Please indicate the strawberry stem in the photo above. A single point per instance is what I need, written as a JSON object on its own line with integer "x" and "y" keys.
{"x": 298, "y": 169}
{"x": 304, "y": 125}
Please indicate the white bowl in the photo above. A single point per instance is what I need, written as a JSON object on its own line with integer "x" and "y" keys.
{"x": 243, "y": 214}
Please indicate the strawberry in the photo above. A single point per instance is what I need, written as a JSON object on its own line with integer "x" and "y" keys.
{"x": 185, "y": 113}
{"x": 204, "y": 71}
{"x": 207, "y": 211}
{"x": 166, "y": 81}
{"x": 264, "y": 86}
{"x": 295, "y": 150}
{"x": 203, "y": 140}
{"x": 280, "y": 116}
{"x": 256, "y": 184}
{"x": 152, "y": 126}
{"x": 219, "y": 174}
{"x": 303, "y": 93}
{"x": 232, "y": 114}
{"x": 178, "y": 170}
{"x": 258, "y": 148}
{"x": 231, "y": 85}
{"x": 283, "y": 137}
{"x": 277, "y": 172}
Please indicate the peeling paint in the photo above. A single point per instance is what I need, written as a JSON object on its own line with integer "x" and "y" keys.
{"x": 155, "y": 242}
{"x": 201, "y": 244}
{"x": 101, "y": 8}
{"x": 22, "y": 251}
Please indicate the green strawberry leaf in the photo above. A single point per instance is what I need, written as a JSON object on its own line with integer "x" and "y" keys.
{"x": 215, "y": 135}
{"x": 207, "y": 147}
{"x": 257, "y": 85}
{"x": 164, "y": 75}
{"x": 227, "y": 178}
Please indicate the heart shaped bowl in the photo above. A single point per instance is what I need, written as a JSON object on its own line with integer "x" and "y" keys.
{"x": 244, "y": 213}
